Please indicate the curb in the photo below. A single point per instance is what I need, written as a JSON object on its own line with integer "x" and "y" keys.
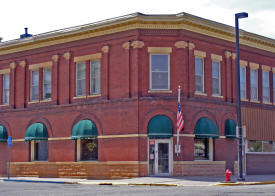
{"x": 125, "y": 183}
{"x": 243, "y": 183}
{"x": 39, "y": 181}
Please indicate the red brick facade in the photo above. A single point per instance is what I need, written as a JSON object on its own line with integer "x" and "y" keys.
{"x": 125, "y": 106}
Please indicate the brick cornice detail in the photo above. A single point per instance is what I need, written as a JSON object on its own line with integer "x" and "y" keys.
{"x": 191, "y": 46}
{"x": 181, "y": 44}
{"x": 137, "y": 44}
{"x": 55, "y": 58}
{"x": 22, "y": 63}
{"x": 13, "y": 65}
{"x": 233, "y": 56}
{"x": 126, "y": 45}
{"x": 227, "y": 54}
{"x": 67, "y": 55}
{"x": 105, "y": 49}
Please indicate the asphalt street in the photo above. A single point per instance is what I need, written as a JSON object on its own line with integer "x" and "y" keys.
{"x": 47, "y": 189}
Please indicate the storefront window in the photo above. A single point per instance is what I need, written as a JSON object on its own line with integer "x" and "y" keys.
{"x": 201, "y": 149}
{"x": 88, "y": 149}
{"x": 40, "y": 150}
{"x": 261, "y": 146}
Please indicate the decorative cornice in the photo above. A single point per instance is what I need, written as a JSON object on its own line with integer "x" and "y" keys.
{"x": 55, "y": 58}
{"x": 137, "y": 44}
{"x": 216, "y": 57}
{"x": 105, "y": 49}
{"x": 90, "y": 57}
{"x": 266, "y": 68}
{"x": 160, "y": 50}
{"x": 227, "y": 54}
{"x": 67, "y": 55}
{"x": 181, "y": 44}
{"x": 4, "y": 71}
{"x": 191, "y": 46}
{"x": 200, "y": 54}
{"x": 243, "y": 63}
{"x": 22, "y": 63}
{"x": 126, "y": 45}
{"x": 41, "y": 65}
{"x": 253, "y": 65}
{"x": 13, "y": 65}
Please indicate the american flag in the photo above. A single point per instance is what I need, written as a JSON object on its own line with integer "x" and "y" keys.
{"x": 180, "y": 122}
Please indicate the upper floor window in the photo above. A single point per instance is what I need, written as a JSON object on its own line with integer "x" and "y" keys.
{"x": 253, "y": 84}
{"x": 243, "y": 82}
{"x": 199, "y": 74}
{"x": 95, "y": 77}
{"x": 81, "y": 79}
{"x": 6, "y": 89}
{"x": 34, "y": 90}
{"x": 266, "y": 90}
{"x": 159, "y": 72}
{"x": 216, "y": 81}
{"x": 47, "y": 83}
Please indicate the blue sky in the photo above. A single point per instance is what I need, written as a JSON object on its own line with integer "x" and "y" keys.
{"x": 42, "y": 16}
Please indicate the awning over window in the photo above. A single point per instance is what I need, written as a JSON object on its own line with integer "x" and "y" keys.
{"x": 3, "y": 134}
{"x": 230, "y": 128}
{"x": 160, "y": 127}
{"x": 206, "y": 128}
{"x": 84, "y": 129}
{"x": 36, "y": 131}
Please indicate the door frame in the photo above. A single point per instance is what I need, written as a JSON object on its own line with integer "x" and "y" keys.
{"x": 170, "y": 155}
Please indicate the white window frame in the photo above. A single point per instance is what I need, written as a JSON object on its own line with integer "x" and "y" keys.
{"x": 247, "y": 149}
{"x": 96, "y": 77}
{"x": 79, "y": 150}
{"x": 150, "y": 70}
{"x": 3, "y": 91}
{"x": 245, "y": 90}
{"x": 203, "y": 89}
{"x": 44, "y": 97}
{"x": 263, "y": 87}
{"x": 76, "y": 79}
{"x": 31, "y": 85}
{"x": 210, "y": 149}
{"x": 219, "y": 63}
{"x": 257, "y": 87}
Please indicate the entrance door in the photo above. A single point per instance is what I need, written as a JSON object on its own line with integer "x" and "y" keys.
{"x": 160, "y": 157}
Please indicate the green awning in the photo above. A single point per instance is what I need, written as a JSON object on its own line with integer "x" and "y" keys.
{"x": 3, "y": 134}
{"x": 84, "y": 129}
{"x": 160, "y": 127}
{"x": 230, "y": 128}
{"x": 206, "y": 128}
{"x": 36, "y": 131}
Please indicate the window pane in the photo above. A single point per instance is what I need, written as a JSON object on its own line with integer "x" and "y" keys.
{"x": 95, "y": 77}
{"x": 89, "y": 149}
{"x": 255, "y": 146}
{"x": 266, "y": 90}
{"x": 243, "y": 82}
{"x": 159, "y": 62}
{"x": 159, "y": 71}
{"x": 267, "y": 146}
{"x": 215, "y": 78}
{"x": 199, "y": 74}
{"x": 6, "y": 89}
{"x": 34, "y": 93}
{"x": 81, "y": 79}
{"x": 41, "y": 151}
{"x": 47, "y": 83}
{"x": 201, "y": 150}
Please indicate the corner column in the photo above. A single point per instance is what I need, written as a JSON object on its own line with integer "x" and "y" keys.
{"x": 105, "y": 79}
{"x": 55, "y": 78}
{"x": 12, "y": 84}
{"x": 228, "y": 80}
{"x": 191, "y": 70}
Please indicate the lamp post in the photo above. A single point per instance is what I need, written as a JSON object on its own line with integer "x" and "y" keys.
{"x": 237, "y": 17}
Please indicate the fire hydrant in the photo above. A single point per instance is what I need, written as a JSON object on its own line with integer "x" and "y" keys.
{"x": 228, "y": 174}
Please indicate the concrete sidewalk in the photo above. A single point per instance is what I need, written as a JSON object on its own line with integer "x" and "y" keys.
{"x": 154, "y": 181}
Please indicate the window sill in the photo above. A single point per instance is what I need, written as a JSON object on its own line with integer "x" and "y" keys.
{"x": 80, "y": 97}
{"x": 268, "y": 103}
{"x": 88, "y": 161}
{"x": 200, "y": 93}
{"x": 4, "y": 105}
{"x": 217, "y": 96}
{"x": 159, "y": 91}
{"x": 94, "y": 95}
{"x": 45, "y": 100}
{"x": 242, "y": 99}
{"x": 254, "y": 101}
{"x": 32, "y": 102}
{"x": 41, "y": 101}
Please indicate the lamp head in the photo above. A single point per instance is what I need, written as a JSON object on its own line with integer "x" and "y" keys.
{"x": 241, "y": 15}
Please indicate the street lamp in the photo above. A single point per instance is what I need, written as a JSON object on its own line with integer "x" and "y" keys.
{"x": 237, "y": 17}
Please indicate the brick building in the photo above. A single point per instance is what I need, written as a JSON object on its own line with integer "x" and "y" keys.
{"x": 100, "y": 100}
